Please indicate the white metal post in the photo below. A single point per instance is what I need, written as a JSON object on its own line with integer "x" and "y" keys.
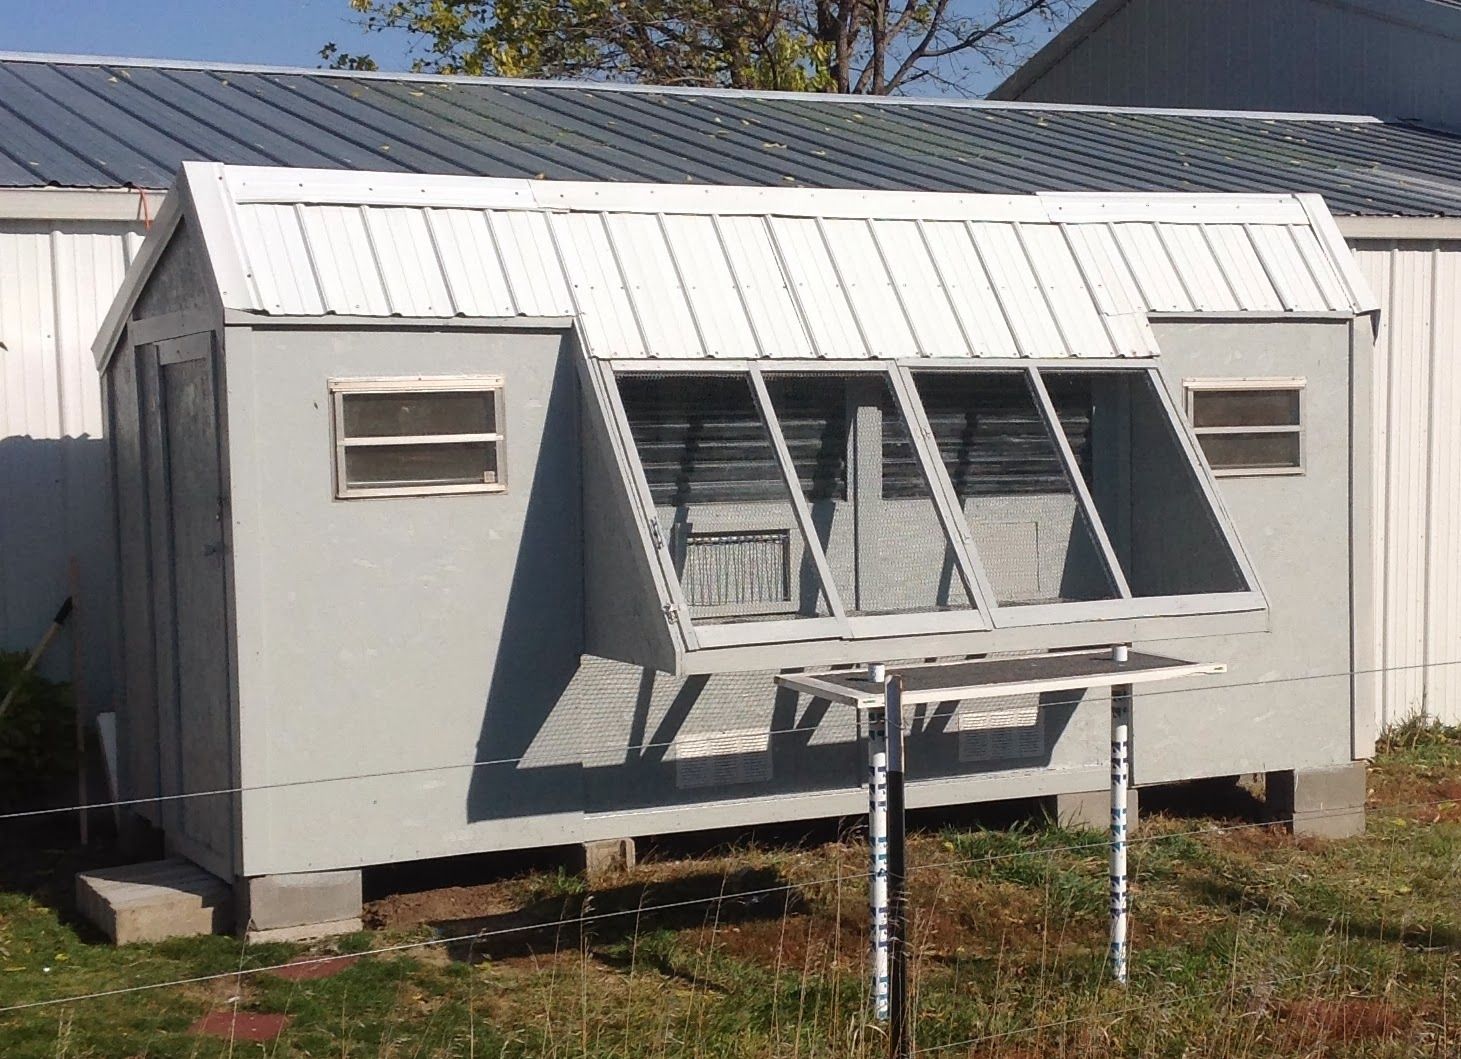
{"x": 877, "y": 843}
{"x": 1120, "y": 781}
{"x": 900, "y": 1027}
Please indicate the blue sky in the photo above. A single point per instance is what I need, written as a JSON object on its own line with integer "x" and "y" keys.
{"x": 273, "y": 32}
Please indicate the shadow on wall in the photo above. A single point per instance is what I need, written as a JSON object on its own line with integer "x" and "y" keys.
{"x": 542, "y": 634}
{"x": 55, "y": 502}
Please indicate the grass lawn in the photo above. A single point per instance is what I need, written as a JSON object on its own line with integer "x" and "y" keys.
{"x": 1245, "y": 943}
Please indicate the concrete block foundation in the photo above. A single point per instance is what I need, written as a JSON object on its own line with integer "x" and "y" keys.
{"x": 1090, "y": 809}
{"x": 605, "y": 856}
{"x": 155, "y": 900}
{"x": 1320, "y": 803}
{"x": 299, "y": 907}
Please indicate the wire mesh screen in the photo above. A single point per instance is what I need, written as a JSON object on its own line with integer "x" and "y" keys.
{"x": 1028, "y": 527}
{"x": 888, "y": 551}
{"x": 1164, "y": 532}
{"x": 721, "y": 497}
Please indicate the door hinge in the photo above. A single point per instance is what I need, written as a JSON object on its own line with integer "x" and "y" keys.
{"x": 656, "y": 534}
{"x": 672, "y": 613}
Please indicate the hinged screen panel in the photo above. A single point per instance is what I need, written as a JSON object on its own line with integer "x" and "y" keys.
{"x": 1029, "y": 527}
{"x": 872, "y": 506}
{"x": 809, "y": 501}
{"x": 722, "y": 505}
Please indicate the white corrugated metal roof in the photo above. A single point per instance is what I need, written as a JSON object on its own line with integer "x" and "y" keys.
{"x": 668, "y": 271}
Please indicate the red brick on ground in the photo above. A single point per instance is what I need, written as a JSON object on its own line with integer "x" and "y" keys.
{"x": 309, "y": 968}
{"x": 240, "y": 1025}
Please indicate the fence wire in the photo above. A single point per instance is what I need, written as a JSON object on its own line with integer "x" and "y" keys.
{"x": 424, "y": 770}
{"x": 724, "y": 897}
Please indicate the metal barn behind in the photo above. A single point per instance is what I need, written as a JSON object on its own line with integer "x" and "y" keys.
{"x": 1395, "y": 58}
{"x": 461, "y": 514}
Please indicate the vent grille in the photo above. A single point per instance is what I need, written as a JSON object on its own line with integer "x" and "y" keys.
{"x": 723, "y": 759}
{"x": 737, "y": 569}
{"x": 1007, "y": 730}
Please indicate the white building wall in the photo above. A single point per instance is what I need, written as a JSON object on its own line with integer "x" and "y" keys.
{"x": 1417, "y": 529}
{"x": 57, "y": 280}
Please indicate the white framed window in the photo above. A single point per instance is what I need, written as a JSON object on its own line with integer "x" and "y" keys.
{"x": 418, "y": 436}
{"x": 1248, "y": 426}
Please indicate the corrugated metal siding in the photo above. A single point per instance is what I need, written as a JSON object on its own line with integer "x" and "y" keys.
{"x": 113, "y": 124}
{"x": 56, "y": 282}
{"x": 1417, "y": 439}
{"x": 1443, "y": 622}
{"x": 803, "y": 280}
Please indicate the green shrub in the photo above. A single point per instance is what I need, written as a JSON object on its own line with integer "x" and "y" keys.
{"x": 1418, "y": 733}
{"x": 36, "y": 740}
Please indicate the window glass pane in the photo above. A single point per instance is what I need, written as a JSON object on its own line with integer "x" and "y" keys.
{"x": 721, "y": 499}
{"x": 1245, "y": 408}
{"x": 403, "y": 466}
{"x": 1147, "y": 493}
{"x": 886, "y": 547}
{"x": 1033, "y": 538}
{"x": 386, "y": 415}
{"x": 1251, "y": 451}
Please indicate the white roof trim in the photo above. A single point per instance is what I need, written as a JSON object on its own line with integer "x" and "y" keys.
{"x": 1360, "y": 294}
{"x": 1421, "y": 228}
{"x": 266, "y": 184}
{"x": 217, "y": 213}
{"x": 660, "y": 90}
{"x": 1171, "y": 208}
{"x": 127, "y": 205}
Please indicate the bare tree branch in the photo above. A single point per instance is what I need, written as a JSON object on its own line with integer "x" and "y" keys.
{"x": 864, "y": 46}
{"x": 920, "y": 50}
{"x": 985, "y": 32}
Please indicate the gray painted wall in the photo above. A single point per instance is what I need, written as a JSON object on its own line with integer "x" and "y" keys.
{"x": 1295, "y": 530}
{"x": 384, "y": 634}
{"x": 1293, "y": 55}
{"x": 407, "y": 638}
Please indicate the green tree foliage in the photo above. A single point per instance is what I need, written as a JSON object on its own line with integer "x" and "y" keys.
{"x": 862, "y": 46}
